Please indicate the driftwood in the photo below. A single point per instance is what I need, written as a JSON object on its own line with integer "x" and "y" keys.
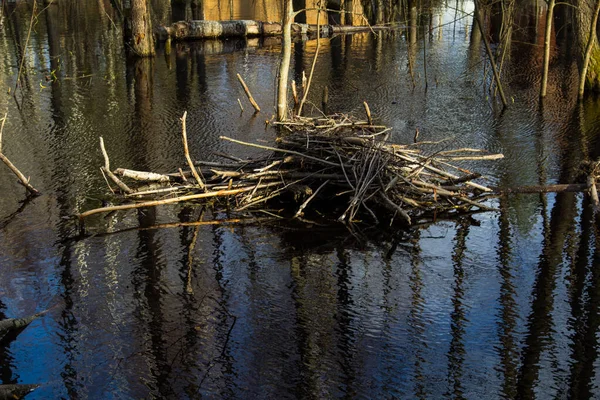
{"x": 186, "y": 151}
{"x": 192, "y": 30}
{"x": 22, "y": 179}
{"x": 248, "y": 94}
{"x": 13, "y": 392}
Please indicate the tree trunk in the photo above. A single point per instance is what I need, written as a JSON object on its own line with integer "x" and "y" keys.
{"x": 585, "y": 15}
{"x": 284, "y": 67}
{"x": 588, "y": 50}
{"x": 141, "y": 40}
{"x": 547, "y": 37}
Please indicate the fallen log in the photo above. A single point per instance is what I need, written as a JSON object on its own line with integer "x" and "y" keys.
{"x": 192, "y": 30}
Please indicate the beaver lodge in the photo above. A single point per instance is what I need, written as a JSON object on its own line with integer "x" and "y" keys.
{"x": 334, "y": 168}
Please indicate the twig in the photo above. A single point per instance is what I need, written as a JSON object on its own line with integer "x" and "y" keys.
{"x": 240, "y": 103}
{"x": 295, "y": 96}
{"x": 278, "y": 150}
{"x": 187, "y": 152}
{"x": 368, "y": 112}
{"x": 303, "y": 206}
{"x": 107, "y": 171}
{"x": 395, "y": 207}
{"x": 245, "y": 87}
{"x": 22, "y": 180}
{"x": 142, "y": 175}
{"x": 593, "y": 193}
{"x": 2, "y": 126}
{"x": 314, "y": 63}
{"x": 160, "y": 191}
{"x": 220, "y": 193}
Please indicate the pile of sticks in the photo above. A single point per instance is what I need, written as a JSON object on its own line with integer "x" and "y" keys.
{"x": 336, "y": 167}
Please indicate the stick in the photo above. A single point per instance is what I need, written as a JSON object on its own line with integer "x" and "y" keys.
{"x": 241, "y": 106}
{"x": 256, "y": 107}
{"x": 303, "y": 206}
{"x": 187, "y": 152}
{"x": 107, "y": 171}
{"x": 159, "y": 191}
{"x": 443, "y": 192}
{"x": 390, "y": 204}
{"x": 475, "y": 158}
{"x": 368, "y": 111}
{"x": 443, "y": 173}
{"x": 295, "y": 95}
{"x": 278, "y": 150}
{"x": 22, "y": 180}
{"x": 142, "y": 175}
{"x": 593, "y": 192}
{"x": 2, "y": 126}
{"x": 312, "y": 68}
{"x": 220, "y": 193}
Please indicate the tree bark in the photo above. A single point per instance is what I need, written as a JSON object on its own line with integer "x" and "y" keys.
{"x": 585, "y": 16}
{"x": 142, "y": 39}
{"x": 588, "y": 50}
{"x": 547, "y": 37}
{"x": 284, "y": 67}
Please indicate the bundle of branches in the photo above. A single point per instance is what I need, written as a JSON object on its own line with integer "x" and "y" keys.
{"x": 340, "y": 169}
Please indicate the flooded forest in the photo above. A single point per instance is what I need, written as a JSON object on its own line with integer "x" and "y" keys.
{"x": 190, "y": 300}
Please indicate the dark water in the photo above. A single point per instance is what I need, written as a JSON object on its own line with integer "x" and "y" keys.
{"x": 496, "y": 305}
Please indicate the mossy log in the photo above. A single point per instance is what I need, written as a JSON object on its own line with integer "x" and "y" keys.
{"x": 192, "y": 30}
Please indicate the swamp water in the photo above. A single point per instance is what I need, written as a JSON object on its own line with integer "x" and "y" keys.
{"x": 494, "y": 305}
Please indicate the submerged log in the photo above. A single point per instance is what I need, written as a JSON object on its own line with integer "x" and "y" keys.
{"x": 191, "y": 30}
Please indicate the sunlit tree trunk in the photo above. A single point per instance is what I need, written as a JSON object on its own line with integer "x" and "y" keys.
{"x": 591, "y": 42}
{"x": 142, "y": 39}
{"x": 286, "y": 54}
{"x": 587, "y": 10}
{"x": 547, "y": 37}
